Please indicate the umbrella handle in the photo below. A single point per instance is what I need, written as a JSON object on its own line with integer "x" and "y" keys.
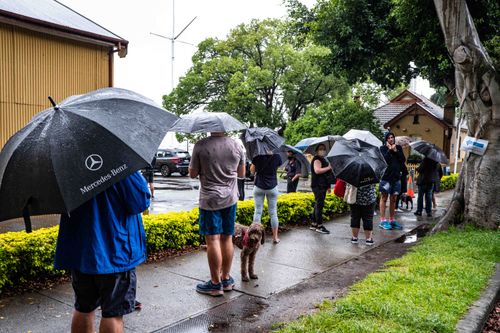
{"x": 27, "y": 220}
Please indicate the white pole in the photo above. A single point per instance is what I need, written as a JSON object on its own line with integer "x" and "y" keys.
{"x": 173, "y": 43}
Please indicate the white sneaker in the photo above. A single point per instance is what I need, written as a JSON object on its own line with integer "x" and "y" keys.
{"x": 398, "y": 210}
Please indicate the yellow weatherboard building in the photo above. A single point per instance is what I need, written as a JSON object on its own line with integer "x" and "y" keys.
{"x": 47, "y": 49}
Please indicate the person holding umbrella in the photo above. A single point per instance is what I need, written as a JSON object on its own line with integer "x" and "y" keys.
{"x": 319, "y": 185}
{"x": 101, "y": 242}
{"x": 218, "y": 160}
{"x": 149, "y": 173}
{"x": 293, "y": 174}
{"x": 390, "y": 185}
{"x": 425, "y": 181}
{"x": 262, "y": 145}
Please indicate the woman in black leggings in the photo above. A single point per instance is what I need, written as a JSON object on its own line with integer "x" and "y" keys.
{"x": 319, "y": 186}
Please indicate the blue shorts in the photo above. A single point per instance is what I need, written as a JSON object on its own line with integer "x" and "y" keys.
{"x": 217, "y": 222}
{"x": 392, "y": 188}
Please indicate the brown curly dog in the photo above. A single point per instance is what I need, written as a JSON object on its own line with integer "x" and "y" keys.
{"x": 248, "y": 239}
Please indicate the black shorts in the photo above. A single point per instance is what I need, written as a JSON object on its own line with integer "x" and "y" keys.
{"x": 149, "y": 175}
{"x": 114, "y": 293}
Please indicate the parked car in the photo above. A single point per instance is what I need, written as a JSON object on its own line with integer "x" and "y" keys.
{"x": 169, "y": 161}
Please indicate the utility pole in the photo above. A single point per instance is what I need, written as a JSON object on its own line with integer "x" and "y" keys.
{"x": 173, "y": 39}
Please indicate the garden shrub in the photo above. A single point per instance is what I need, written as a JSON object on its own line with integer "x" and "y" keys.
{"x": 449, "y": 182}
{"x": 25, "y": 256}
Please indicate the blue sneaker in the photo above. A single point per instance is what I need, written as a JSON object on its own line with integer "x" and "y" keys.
{"x": 396, "y": 225}
{"x": 209, "y": 288}
{"x": 385, "y": 225}
{"x": 228, "y": 284}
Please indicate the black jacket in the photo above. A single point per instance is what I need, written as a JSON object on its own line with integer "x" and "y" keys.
{"x": 395, "y": 163}
{"x": 427, "y": 172}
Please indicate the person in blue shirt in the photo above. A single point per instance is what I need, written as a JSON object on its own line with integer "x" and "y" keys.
{"x": 101, "y": 242}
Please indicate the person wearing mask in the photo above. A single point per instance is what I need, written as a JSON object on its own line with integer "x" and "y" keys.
{"x": 319, "y": 185}
{"x": 292, "y": 169}
{"x": 390, "y": 184}
{"x": 265, "y": 168}
{"x": 425, "y": 182}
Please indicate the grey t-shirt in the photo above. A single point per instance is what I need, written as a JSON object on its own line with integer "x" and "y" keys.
{"x": 217, "y": 159}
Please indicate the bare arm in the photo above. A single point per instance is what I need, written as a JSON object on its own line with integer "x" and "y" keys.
{"x": 252, "y": 168}
{"x": 193, "y": 173}
{"x": 241, "y": 170}
{"x": 319, "y": 170}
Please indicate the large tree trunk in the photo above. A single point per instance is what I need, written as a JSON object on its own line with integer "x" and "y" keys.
{"x": 476, "y": 199}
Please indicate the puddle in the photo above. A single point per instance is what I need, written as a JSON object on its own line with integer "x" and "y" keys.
{"x": 412, "y": 236}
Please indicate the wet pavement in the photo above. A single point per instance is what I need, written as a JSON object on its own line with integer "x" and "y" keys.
{"x": 171, "y": 304}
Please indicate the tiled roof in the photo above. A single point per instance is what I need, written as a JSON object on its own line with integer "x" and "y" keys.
{"x": 56, "y": 14}
{"x": 389, "y": 111}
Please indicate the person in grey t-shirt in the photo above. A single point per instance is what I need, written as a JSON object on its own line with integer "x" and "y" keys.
{"x": 218, "y": 160}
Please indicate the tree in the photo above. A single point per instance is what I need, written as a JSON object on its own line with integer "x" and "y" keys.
{"x": 332, "y": 118}
{"x": 478, "y": 90}
{"x": 256, "y": 75}
{"x": 392, "y": 41}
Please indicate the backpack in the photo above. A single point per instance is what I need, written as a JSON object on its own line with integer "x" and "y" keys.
{"x": 339, "y": 189}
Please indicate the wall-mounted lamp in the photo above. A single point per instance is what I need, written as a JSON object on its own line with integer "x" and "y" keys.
{"x": 404, "y": 129}
{"x": 427, "y": 129}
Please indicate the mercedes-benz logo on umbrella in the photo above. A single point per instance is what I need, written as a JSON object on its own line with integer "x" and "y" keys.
{"x": 93, "y": 162}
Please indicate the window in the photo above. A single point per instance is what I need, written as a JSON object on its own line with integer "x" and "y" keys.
{"x": 415, "y": 119}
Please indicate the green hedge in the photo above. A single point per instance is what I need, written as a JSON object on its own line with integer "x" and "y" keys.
{"x": 448, "y": 182}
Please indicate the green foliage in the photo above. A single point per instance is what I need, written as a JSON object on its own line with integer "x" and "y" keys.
{"x": 171, "y": 230}
{"x": 427, "y": 290}
{"x": 257, "y": 75}
{"x": 379, "y": 39}
{"x": 448, "y": 182}
{"x": 333, "y": 118}
{"x": 30, "y": 256}
{"x": 26, "y": 256}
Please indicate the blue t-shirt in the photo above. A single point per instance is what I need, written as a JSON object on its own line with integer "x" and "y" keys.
{"x": 105, "y": 234}
{"x": 265, "y": 170}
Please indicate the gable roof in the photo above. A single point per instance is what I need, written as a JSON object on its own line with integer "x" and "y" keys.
{"x": 56, "y": 16}
{"x": 402, "y": 103}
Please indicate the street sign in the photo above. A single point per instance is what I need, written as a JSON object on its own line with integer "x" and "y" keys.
{"x": 476, "y": 146}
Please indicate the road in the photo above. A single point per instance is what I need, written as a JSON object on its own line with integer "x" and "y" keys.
{"x": 172, "y": 194}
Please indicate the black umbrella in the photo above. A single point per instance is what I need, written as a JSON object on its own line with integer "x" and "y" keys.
{"x": 357, "y": 162}
{"x": 305, "y": 165}
{"x": 430, "y": 151}
{"x": 203, "y": 122}
{"x": 70, "y": 152}
{"x": 260, "y": 140}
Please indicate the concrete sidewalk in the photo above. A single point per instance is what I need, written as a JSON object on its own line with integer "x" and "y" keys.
{"x": 167, "y": 288}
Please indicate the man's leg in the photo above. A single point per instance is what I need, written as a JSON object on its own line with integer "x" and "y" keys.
{"x": 392, "y": 206}
{"x": 227, "y": 251}
{"x": 82, "y": 322}
{"x": 383, "y": 202}
{"x": 111, "y": 325}
{"x": 214, "y": 255}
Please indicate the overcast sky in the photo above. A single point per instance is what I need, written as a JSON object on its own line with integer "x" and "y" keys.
{"x": 146, "y": 68}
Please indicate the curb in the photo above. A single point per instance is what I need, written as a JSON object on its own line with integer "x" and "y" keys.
{"x": 478, "y": 313}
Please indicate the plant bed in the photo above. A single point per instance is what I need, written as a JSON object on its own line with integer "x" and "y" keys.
{"x": 427, "y": 290}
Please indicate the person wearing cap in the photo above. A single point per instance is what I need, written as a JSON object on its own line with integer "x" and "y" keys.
{"x": 292, "y": 169}
{"x": 390, "y": 184}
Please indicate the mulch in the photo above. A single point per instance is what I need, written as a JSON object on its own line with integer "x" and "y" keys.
{"x": 493, "y": 323}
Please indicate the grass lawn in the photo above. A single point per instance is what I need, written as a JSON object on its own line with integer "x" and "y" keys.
{"x": 427, "y": 290}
